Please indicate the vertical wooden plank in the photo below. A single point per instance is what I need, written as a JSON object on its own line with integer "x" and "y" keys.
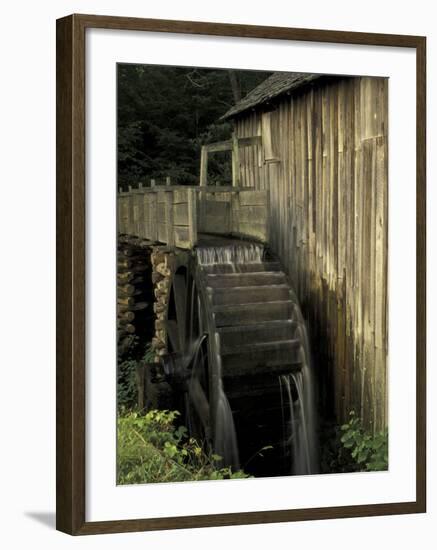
{"x": 252, "y": 156}
{"x": 235, "y": 161}
{"x": 366, "y": 281}
{"x": 130, "y": 229}
{"x": 203, "y": 183}
{"x": 310, "y": 172}
{"x": 235, "y": 211}
{"x": 292, "y": 194}
{"x": 380, "y": 397}
{"x": 358, "y": 291}
{"x": 245, "y": 156}
{"x": 153, "y": 220}
{"x": 203, "y": 166}
{"x": 192, "y": 217}
{"x": 350, "y": 258}
{"x": 373, "y": 413}
{"x": 141, "y": 213}
{"x": 119, "y": 213}
{"x": 305, "y": 183}
{"x": 146, "y": 211}
{"x": 169, "y": 217}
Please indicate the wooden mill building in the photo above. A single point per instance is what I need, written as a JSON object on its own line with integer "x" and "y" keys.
{"x": 322, "y": 158}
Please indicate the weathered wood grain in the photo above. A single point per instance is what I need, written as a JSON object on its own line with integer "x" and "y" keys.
{"x": 328, "y": 223}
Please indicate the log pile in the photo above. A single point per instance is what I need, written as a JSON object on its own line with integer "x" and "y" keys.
{"x": 134, "y": 291}
{"x": 161, "y": 276}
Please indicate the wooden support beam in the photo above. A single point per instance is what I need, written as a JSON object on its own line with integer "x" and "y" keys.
{"x": 192, "y": 218}
{"x": 203, "y": 182}
{"x": 249, "y": 141}
{"x": 204, "y": 166}
{"x": 219, "y": 146}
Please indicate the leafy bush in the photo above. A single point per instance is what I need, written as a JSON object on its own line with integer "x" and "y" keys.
{"x": 127, "y": 390}
{"x": 369, "y": 451}
{"x": 334, "y": 457}
{"x": 149, "y": 354}
{"x": 151, "y": 449}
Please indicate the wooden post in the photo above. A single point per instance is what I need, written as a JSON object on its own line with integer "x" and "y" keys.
{"x": 146, "y": 210}
{"x": 169, "y": 217}
{"x": 235, "y": 162}
{"x": 130, "y": 214}
{"x": 153, "y": 223}
{"x": 192, "y": 217}
{"x": 204, "y": 166}
{"x": 152, "y": 183}
{"x": 168, "y": 180}
{"x": 119, "y": 214}
{"x": 203, "y": 183}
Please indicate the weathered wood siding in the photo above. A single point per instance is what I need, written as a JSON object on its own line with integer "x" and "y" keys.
{"x": 323, "y": 159}
{"x": 243, "y": 214}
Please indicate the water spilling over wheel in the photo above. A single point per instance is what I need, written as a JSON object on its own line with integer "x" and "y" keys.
{"x": 233, "y": 330}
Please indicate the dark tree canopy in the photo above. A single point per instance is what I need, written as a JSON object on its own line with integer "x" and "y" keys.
{"x": 165, "y": 114}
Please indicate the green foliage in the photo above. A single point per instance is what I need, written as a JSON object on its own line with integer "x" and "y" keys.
{"x": 165, "y": 113}
{"x": 334, "y": 457}
{"x": 370, "y": 452}
{"x": 128, "y": 362}
{"x": 128, "y": 348}
{"x": 151, "y": 448}
{"x": 127, "y": 384}
{"x": 126, "y": 373}
{"x": 149, "y": 354}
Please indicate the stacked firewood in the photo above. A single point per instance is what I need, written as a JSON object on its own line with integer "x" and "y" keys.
{"x": 161, "y": 276}
{"x": 133, "y": 292}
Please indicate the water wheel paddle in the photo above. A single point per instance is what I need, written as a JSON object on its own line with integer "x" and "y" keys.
{"x": 234, "y": 328}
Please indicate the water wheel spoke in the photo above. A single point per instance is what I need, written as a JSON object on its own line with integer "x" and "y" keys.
{"x": 232, "y": 340}
{"x": 173, "y": 335}
{"x": 180, "y": 297}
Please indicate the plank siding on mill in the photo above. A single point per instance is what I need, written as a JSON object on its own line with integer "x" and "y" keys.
{"x": 328, "y": 223}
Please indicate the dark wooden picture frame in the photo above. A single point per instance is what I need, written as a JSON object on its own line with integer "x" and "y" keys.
{"x": 71, "y": 247}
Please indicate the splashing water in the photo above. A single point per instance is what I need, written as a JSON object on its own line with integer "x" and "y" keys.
{"x": 231, "y": 255}
{"x": 226, "y": 444}
{"x": 295, "y": 389}
{"x": 298, "y": 419}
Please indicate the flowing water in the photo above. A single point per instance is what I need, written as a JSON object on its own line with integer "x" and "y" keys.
{"x": 298, "y": 408}
{"x": 230, "y": 255}
{"x": 295, "y": 401}
{"x": 226, "y": 443}
{"x": 298, "y": 422}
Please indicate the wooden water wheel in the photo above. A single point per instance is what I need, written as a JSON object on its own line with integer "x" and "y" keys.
{"x": 232, "y": 330}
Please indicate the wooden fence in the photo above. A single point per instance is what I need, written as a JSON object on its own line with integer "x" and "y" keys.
{"x": 176, "y": 215}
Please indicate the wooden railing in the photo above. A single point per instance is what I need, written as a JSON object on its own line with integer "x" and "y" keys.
{"x": 175, "y": 215}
